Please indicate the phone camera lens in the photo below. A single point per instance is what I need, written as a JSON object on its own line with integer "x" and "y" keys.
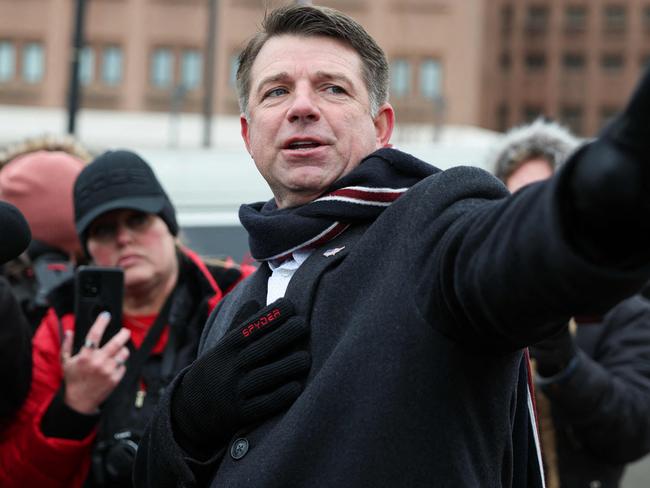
{"x": 90, "y": 289}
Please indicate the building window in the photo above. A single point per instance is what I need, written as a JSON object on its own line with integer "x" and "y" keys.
{"x": 646, "y": 18}
{"x": 191, "y": 69}
{"x": 576, "y": 18}
{"x": 431, "y": 79}
{"x": 535, "y": 62}
{"x": 33, "y": 62}
{"x": 531, "y": 112}
{"x": 572, "y": 118}
{"x": 614, "y": 18}
{"x": 503, "y": 117}
{"x": 612, "y": 63}
{"x": 112, "y": 60}
{"x": 162, "y": 68}
{"x": 607, "y": 114}
{"x": 234, "y": 66}
{"x": 7, "y": 61}
{"x": 507, "y": 18}
{"x": 400, "y": 78}
{"x": 86, "y": 65}
{"x": 505, "y": 61}
{"x": 574, "y": 62}
{"x": 645, "y": 62}
{"x": 537, "y": 19}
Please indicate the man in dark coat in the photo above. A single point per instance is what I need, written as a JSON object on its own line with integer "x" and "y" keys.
{"x": 391, "y": 351}
{"x": 593, "y": 376}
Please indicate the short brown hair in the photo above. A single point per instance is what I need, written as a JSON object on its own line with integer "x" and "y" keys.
{"x": 311, "y": 21}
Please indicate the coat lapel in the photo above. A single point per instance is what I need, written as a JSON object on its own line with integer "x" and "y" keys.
{"x": 304, "y": 282}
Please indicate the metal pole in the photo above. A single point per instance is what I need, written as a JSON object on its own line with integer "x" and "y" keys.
{"x": 77, "y": 45}
{"x": 439, "y": 108}
{"x": 178, "y": 95}
{"x": 208, "y": 73}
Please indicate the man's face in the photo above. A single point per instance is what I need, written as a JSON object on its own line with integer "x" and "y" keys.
{"x": 309, "y": 120}
{"x": 529, "y": 172}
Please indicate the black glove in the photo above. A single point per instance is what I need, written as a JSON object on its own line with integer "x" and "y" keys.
{"x": 553, "y": 354}
{"x": 253, "y": 373}
{"x": 610, "y": 186}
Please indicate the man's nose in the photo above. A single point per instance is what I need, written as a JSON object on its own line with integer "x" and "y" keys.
{"x": 303, "y": 106}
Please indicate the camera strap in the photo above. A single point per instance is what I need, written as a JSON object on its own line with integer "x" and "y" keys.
{"x": 139, "y": 356}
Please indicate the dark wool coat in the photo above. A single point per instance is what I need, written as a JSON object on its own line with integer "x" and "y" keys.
{"x": 15, "y": 354}
{"x": 601, "y": 412}
{"x": 417, "y": 330}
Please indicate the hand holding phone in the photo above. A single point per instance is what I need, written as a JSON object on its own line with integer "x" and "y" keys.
{"x": 93, "y": 373}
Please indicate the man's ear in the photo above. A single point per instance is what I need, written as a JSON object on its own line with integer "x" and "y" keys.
{"x": 245, "y": 134}
{"x": 384, "y": 123}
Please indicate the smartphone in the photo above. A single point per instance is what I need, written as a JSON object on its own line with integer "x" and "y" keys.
{"x": 97, "y": 289}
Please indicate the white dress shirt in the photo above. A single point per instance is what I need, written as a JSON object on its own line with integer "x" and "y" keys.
{"x": 282, "y": 273}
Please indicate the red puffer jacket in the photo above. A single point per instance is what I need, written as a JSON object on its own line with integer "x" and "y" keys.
{"x": 29, "y": 458}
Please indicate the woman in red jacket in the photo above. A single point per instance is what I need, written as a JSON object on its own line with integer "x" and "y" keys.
{"x": 83, "y": 416}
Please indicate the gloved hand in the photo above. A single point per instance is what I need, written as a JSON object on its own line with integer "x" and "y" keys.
{"x": 610, "y": 185}
{"x": 253, "y": 373}
{"x": 553, "y": 354}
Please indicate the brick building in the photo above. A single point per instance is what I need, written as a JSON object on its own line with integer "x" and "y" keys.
{"x": 572, "y": 60}
{"x": 488, "y": 63}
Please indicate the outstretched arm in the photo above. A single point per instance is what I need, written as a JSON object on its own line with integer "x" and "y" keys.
{"x": 506, "y": 271}
{"x": 608, "y": 208}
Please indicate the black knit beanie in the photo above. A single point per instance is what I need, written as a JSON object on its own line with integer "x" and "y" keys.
{"x": 119, "y": 180}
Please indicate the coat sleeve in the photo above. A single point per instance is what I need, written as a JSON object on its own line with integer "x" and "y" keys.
{"x": 499, "y": 272}
{"x": 161, "y": 462}
{"x": 604, "y": 404}
{"x": 27, "y": 456}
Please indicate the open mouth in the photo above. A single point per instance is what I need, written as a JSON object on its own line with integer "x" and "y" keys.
{"x": 303, "y": 145}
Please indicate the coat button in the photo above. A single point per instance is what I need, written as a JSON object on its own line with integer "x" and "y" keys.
{"x": 239, "y": 448}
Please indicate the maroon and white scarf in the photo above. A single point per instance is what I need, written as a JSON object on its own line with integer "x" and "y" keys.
{"x": 359, "y": 197}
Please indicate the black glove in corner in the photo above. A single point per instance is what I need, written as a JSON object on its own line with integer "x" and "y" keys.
{"x": 553, "y": 354}
{"x": 609, "y": 187}
{"x": 253, "y": 373}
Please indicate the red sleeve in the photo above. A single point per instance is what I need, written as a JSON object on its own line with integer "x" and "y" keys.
{"x": 27, "y": 457}
{"x": 247, "y": 270}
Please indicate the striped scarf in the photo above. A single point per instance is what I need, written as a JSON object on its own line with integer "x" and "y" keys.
{"x": 357, "y": 198}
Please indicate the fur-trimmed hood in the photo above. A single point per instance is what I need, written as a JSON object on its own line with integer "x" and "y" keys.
{"x": 540, "y": 139}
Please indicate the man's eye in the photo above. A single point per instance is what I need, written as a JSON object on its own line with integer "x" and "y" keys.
{"x": 335, "y": 89}
{"x": 276, "y": 92}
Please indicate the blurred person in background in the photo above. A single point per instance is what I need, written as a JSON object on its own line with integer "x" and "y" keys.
{"x": 85, "y": 411}
{"x": 593, "y": 376}
{"x": 15, "y": 355}
{"x": 15, "y": 332}
{"x": 37, "y": 176}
